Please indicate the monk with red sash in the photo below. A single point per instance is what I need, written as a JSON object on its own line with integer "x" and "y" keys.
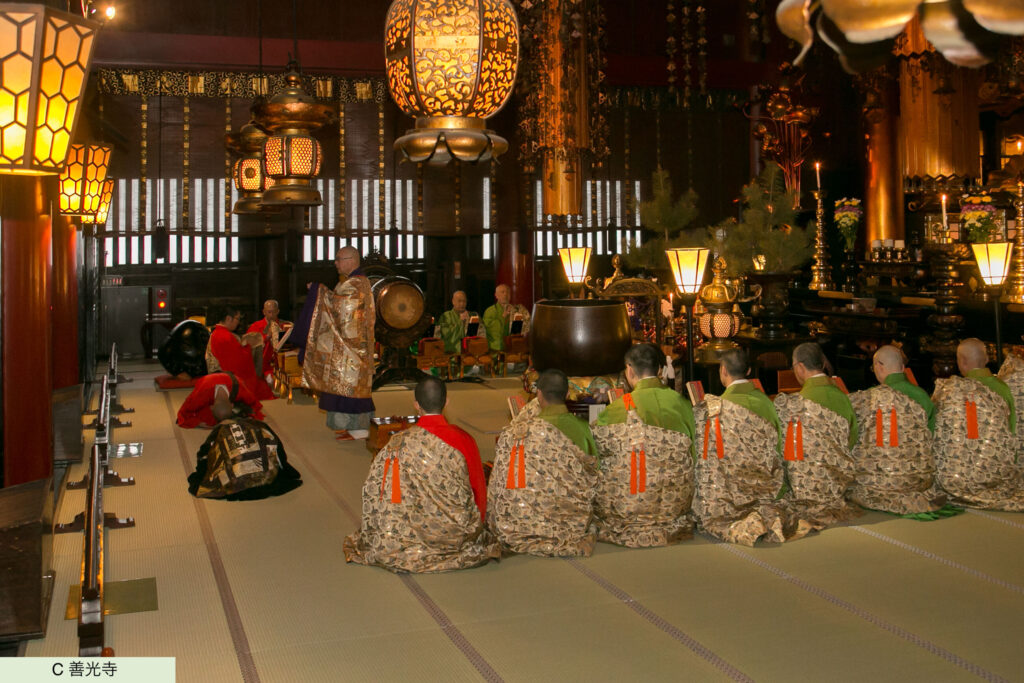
{"x": 229, "y": 354}
{"x": 271, "y": 328}
{"x": 197, "y": 410}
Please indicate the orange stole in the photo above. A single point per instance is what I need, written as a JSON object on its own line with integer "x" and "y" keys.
{"x": 719, "y": 446}
{"x": 637, "y": 466}
{"x": 971, "y": 410}
{"x": 894, "y": 433}
{"x": 514, "y": 481}
{"x": 396, "y": 482}
{"x": 794, "y": 448}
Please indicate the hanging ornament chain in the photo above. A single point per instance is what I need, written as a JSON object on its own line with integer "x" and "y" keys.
{"x": 671, "y": 44}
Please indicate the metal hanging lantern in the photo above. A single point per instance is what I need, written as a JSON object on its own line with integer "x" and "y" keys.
{"x": 247, "y": 172}
{"x": 44, "y": 65}
{"x": 719, "y": 323}
{"x": 451, "y": 64}
{"x": 81, "y": 181}
{"x": 291, "y": 156}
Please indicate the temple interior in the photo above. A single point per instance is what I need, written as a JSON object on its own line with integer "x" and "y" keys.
{"x": 700, "y": 175}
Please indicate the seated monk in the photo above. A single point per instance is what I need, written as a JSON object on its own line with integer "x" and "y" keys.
{"x": 820, "y": 429}
{"x": 740, "y": 478}
{"x": 228, "y": 354}
{"x": 975, "y": 435}
{"x": 218, "y": 388}
{"x": 242, "y": 459}
{"x": 454, "y": 322}
{"x": 424, "y": 499}
{"x": 646, "y": 443}
{"x": 271, "y": 328}
{"x": 895, "y": 466}
{"x": 541, "y": 491}
{"x": 1012, "y": 373}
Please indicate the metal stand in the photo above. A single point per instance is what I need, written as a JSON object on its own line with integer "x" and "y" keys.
{"x": 999, "y": 332}
{"x": 688, "y": 301}
{"x": 1015, "y": 283}
{"x": 820, "y": 276}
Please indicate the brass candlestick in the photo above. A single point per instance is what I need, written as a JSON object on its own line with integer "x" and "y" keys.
{"x": 1015, "y": 284}
{"x": 821, "y": 277}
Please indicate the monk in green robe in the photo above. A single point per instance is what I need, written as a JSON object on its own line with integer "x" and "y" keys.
{"x": 541, "y": 491}
{"x": 741, "y": 492}
{"x": 453, "y": 323}
{"x": 646, "y": 443}
{"x": 975, "y": 442}
{"x": 498, "y": 318}
{"x": 820, "y": 429}
{"x": 893, "y": 456}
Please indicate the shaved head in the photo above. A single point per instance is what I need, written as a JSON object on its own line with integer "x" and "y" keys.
{"x": 971, "y": 354}
{"x": 888, "y": 360}
{"x": 346, "y": 260}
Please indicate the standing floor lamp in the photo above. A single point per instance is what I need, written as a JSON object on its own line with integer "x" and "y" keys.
{"x": 994, "y": 263}
{"x": 688, "y": 266}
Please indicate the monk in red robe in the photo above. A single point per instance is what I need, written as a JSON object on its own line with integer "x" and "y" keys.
{"x": 218, "y": 388}
{"x": 271, "y": 328}
{"x": 235, "y": 356}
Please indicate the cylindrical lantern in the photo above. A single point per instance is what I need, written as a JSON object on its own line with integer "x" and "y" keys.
{"x": 45, "y": 61}
{"x": 993, "y": 261}
{"x": 99, "y": 216}
{"x": 450, "y": 65}
{"x": 248, "y": 172}
{"x": 719, "y": 322}
{"x": 291, "y": 157}
{"x": 81, "y": 180}
{"x": 575, "y": 261}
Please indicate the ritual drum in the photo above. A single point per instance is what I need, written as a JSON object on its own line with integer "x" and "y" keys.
{"x": 399, "y": 302}
{"x": 580, "y": 337}
{"x": 185, "y": 349}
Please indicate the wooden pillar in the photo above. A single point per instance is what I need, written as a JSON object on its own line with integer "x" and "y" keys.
{"x": 514, "y": 266}
{"x": 26, "y": 335}
{"x": 883, "y": 184}
{"x": 65, "y": 303}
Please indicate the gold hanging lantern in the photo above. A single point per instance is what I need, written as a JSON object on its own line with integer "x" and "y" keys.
{"x": 247, "y": 173}
{"x": 45, "y": 59}
{"x": 82, "y": 178}
{"x": 451, "y": 64}
{"x": 99, "y": 216}
{"x": 291, "y": 156}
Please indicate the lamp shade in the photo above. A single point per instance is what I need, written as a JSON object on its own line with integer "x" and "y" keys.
{"x": 575, "y": 261}
{"x": 99, "y": 216}
{"x": 993, "y": 261}
{"x": 688, "y": 264}
{"x": 81, "y": 180}
{"x": 44, "y": 60}
{"x": 450, "y": 65}
{"x": 248, "y": 175}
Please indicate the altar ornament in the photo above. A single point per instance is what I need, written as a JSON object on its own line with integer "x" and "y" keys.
{"x": 848, "y": 215}
{"x": 688, "y": 265}
{"x": 291, "y": 156}
{"x": 863, "y": 32}
{"x": 994, "y": 263}
{"x": 575, "y": 261}
{"x": 978, "y": 218}
{"x": 80, "y": 183}
{"x": 451, "y": 64}
{"x": 821, "y": 279}
{"x": 1015, "y": 287}
{"x": 45, "y": 65}
{"x": 719, "y": 322}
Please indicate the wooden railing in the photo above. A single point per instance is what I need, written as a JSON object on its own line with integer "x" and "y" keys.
{"x": 93, "y": 520}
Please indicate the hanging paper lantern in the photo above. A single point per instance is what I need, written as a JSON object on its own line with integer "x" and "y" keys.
{"x": 81, "y": 181}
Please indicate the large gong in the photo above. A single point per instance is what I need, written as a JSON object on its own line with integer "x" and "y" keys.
{"x": 401, "y": 311}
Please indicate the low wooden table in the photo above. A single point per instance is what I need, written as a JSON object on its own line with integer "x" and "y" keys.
{"x": 383, "y": 428}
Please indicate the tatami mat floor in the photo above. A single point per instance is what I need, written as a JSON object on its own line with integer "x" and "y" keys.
{"x": 259, "y": 591}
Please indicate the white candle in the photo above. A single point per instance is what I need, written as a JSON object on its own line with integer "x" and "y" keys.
{"x": 817, "y": 173}
{"x": 945, "y": 219}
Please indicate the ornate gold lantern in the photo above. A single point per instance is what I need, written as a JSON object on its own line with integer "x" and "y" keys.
{"x": 247, "y": 172}
{"x": 82, "y": 178}
{"x": 99, "y": 216}
{"x": 291, "y": 156}
{"x": 451, "y": 64}
{"x": 719, "y": 323}
{"x": 45, "y": 58}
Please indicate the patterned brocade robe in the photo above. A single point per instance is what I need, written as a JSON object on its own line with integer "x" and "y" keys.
{"x": 646, "y": 483}
{"x": 739, "y": 474}
{"x": 419, "y": 514}
{"x": 893, "y": 456}
{"x": 339, "y": 348}
{"x": 540, "y": 495}
{"x": 1012, "y": 373}
{"x": 817, "y": 458}
{"x": 975, "y": 451}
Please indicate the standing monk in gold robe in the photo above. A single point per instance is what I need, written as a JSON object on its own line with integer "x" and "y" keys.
{"x": 335, "y": 339}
